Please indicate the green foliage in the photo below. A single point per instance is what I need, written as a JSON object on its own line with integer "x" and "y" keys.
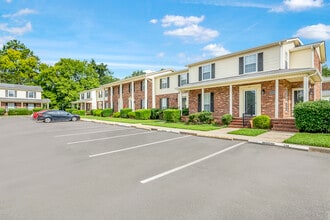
{"x": 201, "y": 118}
{"x": 105, "y": 76}
{"x": 248, "y": 132}
{"x": 185, "y": 111}
{"x": 310, "y": 139}
{"x": 124, "y": 112}
{"x": 19, "y": 111}
{"x": 313, "y": 116}
{"x": 97, "y": 112}
{"x": 325, "y": 71}
{"x": 226, "y": 119}
{"x": 107, "y": 112}
{"x": 70, "y": 110}
{"x": 261, "y": 122}
{"x": 2, "y": 111}
{"x": 131, "y": 114}
{"x": 79, "y": 112}
{"x": 143, "y": 114}
{"x": 136, "y": 73}
{"x": 116, "y": 115}
{"x": 156, "y": 113}
{"x": 172, "y": 115}
{"x": 37, "y": 109}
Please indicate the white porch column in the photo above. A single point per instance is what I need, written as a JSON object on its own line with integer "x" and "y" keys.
{"x": 202, "y": 101}
{"x": 145, "y": 93}
{"x": 132, "y": 99}
{"x": 231, "y": 99}
{"x": 276, "y": 97}
{"x": 306, "y": 92}
{"x": 153, "y": 93}
{"x": 111, "y": 98}
{"x": 180, "y": 101}
{"x": 120, "y": 106}
{"x": 103, "y": 99}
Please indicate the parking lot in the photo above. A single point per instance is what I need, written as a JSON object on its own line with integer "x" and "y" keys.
{"x": 86, "y": 170}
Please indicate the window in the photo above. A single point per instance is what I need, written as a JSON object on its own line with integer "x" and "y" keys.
{"x": 11, "y": 93}
{"x": 142, "y": 104}
{"x": 142, "y": 85}
{"x": 129, "y": 88}
{"x": 88, "y": 95}
{"x": 251, "y": 63}
{"x": 298, "y": 96}
{"x": 183, "y": 79}
{"x": 206, "y": 72}
{"x": 106, "y": 93}
{"x": 30, "y": 106}
{"x": 208, "y": 104}
{"x": 100, "y": 94}
{"x": 184, "y": 102}
{"x": 82, "y": 96}
{"x": 11, "y": 105}
{"x": 163, "y": 103}
{"x": 165, "y": 83}
{"x": 30, "y": 95}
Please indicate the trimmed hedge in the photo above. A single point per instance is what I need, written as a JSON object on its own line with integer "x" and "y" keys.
{"x": 2, "y": 111}
{"x": 185, "y": 111}
{"x": 201, "y": 118}
{"x": 261, "y": 121}
{"x": 97, "y": 112}
{"x": 19, "y": 111}
{"x": 38, "y": 109}
{"x": 313, "y": 116}
{"x": 107, "y": 112}
{"x": 116, "y": 115}
{"x": 226, "y": 119}
{"x": 143, "y": 114}
{"x": 172, "y": 115}
{"x": 131, "y": 114}
{"x": 124, "y": 112}
{"x": 156, "y": 113}
{"x": 79, "y": 112}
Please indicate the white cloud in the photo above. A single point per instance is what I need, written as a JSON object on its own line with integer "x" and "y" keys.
{"x": 21, "y": 12}
{"x": 5, "y": 39}
{"x": 153, "y": 21}
{"x": 16, "y": 30}
{"x": 297, "y": 5}
{"x": 315, "y": 32}
{"x": 196, "y": 32}
{"x": 216, "y": 49}
{"x": 180, "y": 21}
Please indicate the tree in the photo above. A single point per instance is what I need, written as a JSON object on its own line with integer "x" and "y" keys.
{"x": 18, "y": 64}
{"x": 105, "y": 76}
{"x": 325, "y": 71}
{"x": 136, "y": 73}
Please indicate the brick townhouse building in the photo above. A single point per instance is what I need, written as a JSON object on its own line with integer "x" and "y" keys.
{"x": 269, "y": 79}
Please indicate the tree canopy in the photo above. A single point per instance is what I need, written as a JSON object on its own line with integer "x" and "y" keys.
{"x": 136, "y": 73}
{"x": 325, "y": 71}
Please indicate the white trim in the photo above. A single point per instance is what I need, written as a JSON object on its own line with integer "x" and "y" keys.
{"x": 276, "y": 97}
{"x": 111, "y": 97}
{"x": 293, "y": 90}
{"x": 202, "y": 100}
{"x": 145, "y": 93}
{"x": 153, "y": 93}
{"x": 231, "y": 99}
{"x": 242, "y": 89}
{"x": 132, "y": 92}
{"x": 306, "y": 83}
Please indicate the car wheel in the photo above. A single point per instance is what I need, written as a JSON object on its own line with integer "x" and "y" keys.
{"x": 47, "y": 120}
{"x": 74, "y": 119}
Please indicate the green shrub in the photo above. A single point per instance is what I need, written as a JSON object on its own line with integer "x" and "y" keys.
{"x": 131, "y": 114}
{"x": 116, "y": 115}
{"x": 97, "y": 112}
{"x": 185, "y": 111}
{"x": 155, "y": 113}
{"x": 2, "y": 111}
{"x": 69, "y": 110}
{"x": 124, "y": 112}
{"x": 92, "y": 112}
{"x": 19, "y": 111}
{"x": 79, "y": 112}
{"x": 313, "y": 116}
{"x": 201, "y": 118}
{"x": 261, "y": 122}
{"x": 172, "y": 115}
{"x": 37, "y": 109}
{"x": 226, "y": 119}
{"x": 107, "y": 112}
{"x": 143, "y": 114}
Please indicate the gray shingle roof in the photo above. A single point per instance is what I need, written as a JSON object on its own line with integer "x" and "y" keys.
{"x": 20, "y": 87}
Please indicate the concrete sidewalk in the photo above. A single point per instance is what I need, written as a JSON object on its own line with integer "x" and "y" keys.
{"x": 274, "y": 138}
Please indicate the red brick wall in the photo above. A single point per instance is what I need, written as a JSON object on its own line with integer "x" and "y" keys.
{"x": 317, "y": 91}
{"x": 173, "y": 100}
{"x": 138, "y": 94}
{"x": 115, "y": 98}
{"x": 317, "y": 62}
{"x": 126, "y": 94}
{"x": 268, "y": 98}
{"x": 326, "y": 86}
{"x": 149, "y": 93}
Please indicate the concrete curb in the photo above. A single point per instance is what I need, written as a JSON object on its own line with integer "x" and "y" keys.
{"x": 199, "y": 134}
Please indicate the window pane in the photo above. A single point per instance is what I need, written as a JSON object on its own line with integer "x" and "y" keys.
{"x": 183, "y": 79}
{"x": 251, "y": 63}
{"x": 207, "y": 102}
{"x": 206, "y": 72}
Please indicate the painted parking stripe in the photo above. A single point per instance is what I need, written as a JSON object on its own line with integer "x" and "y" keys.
{"x": 189, "y": 164}
{"x": 135, "y": 147}
{"x": 107, "y": 138}
{"x": 91, "y": 132}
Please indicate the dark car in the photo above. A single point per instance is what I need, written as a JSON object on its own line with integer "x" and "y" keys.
{"x": 56, "y": 115}
{"x": 35, "y": 114}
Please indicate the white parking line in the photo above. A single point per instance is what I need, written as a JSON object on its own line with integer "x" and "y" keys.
{"x": 91, "y": 132}
{"x": 138, "y": 146}
{"x": 106, "y": 138}
{"x": 189, "y": 164}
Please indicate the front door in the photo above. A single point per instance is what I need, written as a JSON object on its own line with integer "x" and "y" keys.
{"x": 250, "y": 102}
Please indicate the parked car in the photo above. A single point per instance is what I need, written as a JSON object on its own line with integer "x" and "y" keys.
{"x": 56, "y": 115}
{"x": 35, "y": 114}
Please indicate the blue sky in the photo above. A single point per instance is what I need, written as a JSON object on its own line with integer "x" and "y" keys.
{"x": 130, "y": 35}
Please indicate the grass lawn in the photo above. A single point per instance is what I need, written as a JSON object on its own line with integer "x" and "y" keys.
{"x": 311, "y": 139}
{"x": 159, "y": 123}
{"x": 248, "y": 131}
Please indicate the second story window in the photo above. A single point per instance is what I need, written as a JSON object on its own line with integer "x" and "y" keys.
{"x": 11, "y": 93}
{"x": 251, "y": 63}
{"x": 30, "y": 94}
{"x": 82, "y": 96}
{"x": 88, "y": 95}
{"x": 100, "y": 94}
{"x": 142, "y": 85}
{"x": 106, "y": 93}
{"x": 183, "y": 79}
{"x": 165, "y": 83}
{"x": 206, "y": 72}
